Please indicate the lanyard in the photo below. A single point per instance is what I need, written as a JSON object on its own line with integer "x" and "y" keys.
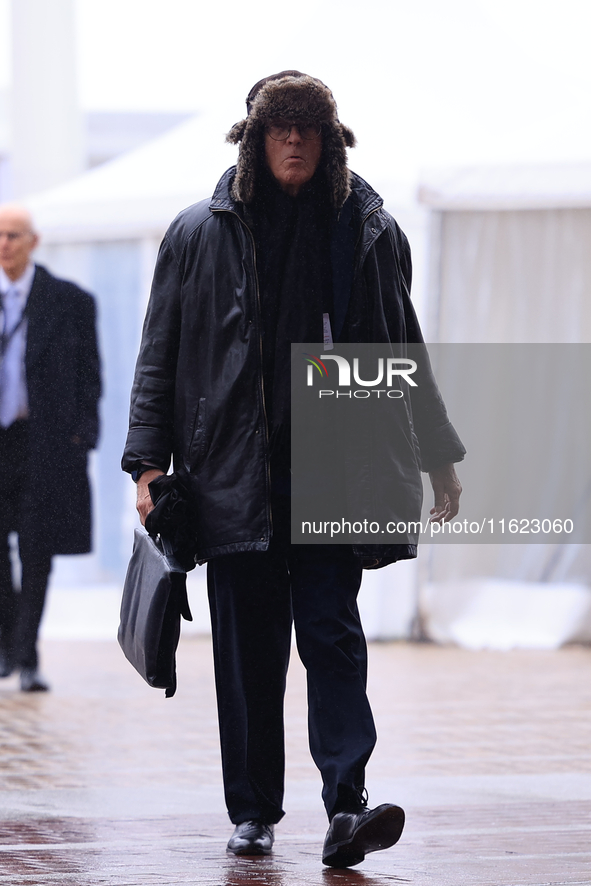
{"x": 7, "y": 337}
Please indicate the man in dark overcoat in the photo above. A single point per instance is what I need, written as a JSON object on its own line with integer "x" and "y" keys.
{"x": 292, "y": 247}
{"x": 49, "y": 391}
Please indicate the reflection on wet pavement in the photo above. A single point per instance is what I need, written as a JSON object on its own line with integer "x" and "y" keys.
{"x": 104, "y": 782}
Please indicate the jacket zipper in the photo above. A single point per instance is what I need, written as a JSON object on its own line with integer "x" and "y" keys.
{"x": 262, "y": 383}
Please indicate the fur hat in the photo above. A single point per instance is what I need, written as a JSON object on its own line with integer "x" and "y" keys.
{"x": 294, "y": 96}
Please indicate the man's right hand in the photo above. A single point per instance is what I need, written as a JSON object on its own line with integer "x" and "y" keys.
{"x": 144, "y": 503}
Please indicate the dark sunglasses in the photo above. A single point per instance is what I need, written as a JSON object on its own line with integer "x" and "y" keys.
{"x": 281, "y": 129}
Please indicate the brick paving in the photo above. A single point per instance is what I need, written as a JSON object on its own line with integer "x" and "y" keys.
{"x": 103, "y": 781}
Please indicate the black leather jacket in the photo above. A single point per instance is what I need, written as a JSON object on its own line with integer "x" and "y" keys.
{"x": 198, "y": 389}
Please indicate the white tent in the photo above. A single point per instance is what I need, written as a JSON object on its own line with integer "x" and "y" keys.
{"x": 510, "y": 258}
{"x": 510, "y": 263}
{"x": 137, "y": 194}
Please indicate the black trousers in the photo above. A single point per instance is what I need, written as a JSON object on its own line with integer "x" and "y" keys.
{"x": 20, "y": 608}
{"x": 254, "y": 598}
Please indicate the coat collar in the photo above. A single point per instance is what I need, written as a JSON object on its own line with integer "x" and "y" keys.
{"x": 362, "y": 200}
{"x": 222, "y": 198}
{"x": 349, "y": 231}
{"x": 22, "y": 285}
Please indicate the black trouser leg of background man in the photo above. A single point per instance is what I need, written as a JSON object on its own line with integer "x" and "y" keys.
{"x": 20, "y": 609}
{"x": 7, "y": 604}
{"x": 253, "y": 597}
{"x": 36, "y": 566}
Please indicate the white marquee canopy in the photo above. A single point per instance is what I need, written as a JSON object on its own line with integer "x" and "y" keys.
{"x": 137, "y": 194}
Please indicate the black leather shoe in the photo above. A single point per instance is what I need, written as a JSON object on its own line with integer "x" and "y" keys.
{"x": 352, "y": 835}
{"x": 251, "y": 838}
{"x": 31, "y": 681}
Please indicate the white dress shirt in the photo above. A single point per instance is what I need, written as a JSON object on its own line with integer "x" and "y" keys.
{"x": 14, "y": 402}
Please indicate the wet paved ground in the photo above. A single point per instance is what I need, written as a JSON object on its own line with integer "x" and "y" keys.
{"x": 103, "y": 781}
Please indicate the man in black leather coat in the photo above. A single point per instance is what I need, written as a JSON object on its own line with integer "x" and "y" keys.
{"x": 291, "y": 244}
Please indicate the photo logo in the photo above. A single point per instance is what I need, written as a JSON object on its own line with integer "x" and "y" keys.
{"x": 395, "y": 367}
{"x": 316, "y": 362}
{"x": 388, "y": 371}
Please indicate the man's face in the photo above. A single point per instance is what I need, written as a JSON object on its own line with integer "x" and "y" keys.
{"x": 17, "y": 240}
{"x": 293, "y": 160}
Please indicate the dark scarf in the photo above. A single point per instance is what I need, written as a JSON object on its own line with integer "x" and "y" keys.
{"x": 292, "y": 238}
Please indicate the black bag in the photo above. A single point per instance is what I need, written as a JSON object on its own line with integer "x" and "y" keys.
{"x": 154, "y": 598}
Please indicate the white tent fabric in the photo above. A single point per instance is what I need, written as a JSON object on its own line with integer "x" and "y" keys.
{"x": 139, "y": 193}
{"x": 510, "y": 263}
{"x": 533, "y": 186}
{"x": 509, "y": 253}
{"x": 513, "y": 276}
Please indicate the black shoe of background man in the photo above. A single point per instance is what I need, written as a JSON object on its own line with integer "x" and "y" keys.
{"x": 352, "y": 835}
{"x": 31, "y": 681}
{"x": 251, "y": 838}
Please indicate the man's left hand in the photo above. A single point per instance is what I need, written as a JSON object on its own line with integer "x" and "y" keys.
{"x": 447, "y": 489}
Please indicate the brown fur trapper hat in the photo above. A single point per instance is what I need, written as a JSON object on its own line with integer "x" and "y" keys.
{"x": 294, "y": 96}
